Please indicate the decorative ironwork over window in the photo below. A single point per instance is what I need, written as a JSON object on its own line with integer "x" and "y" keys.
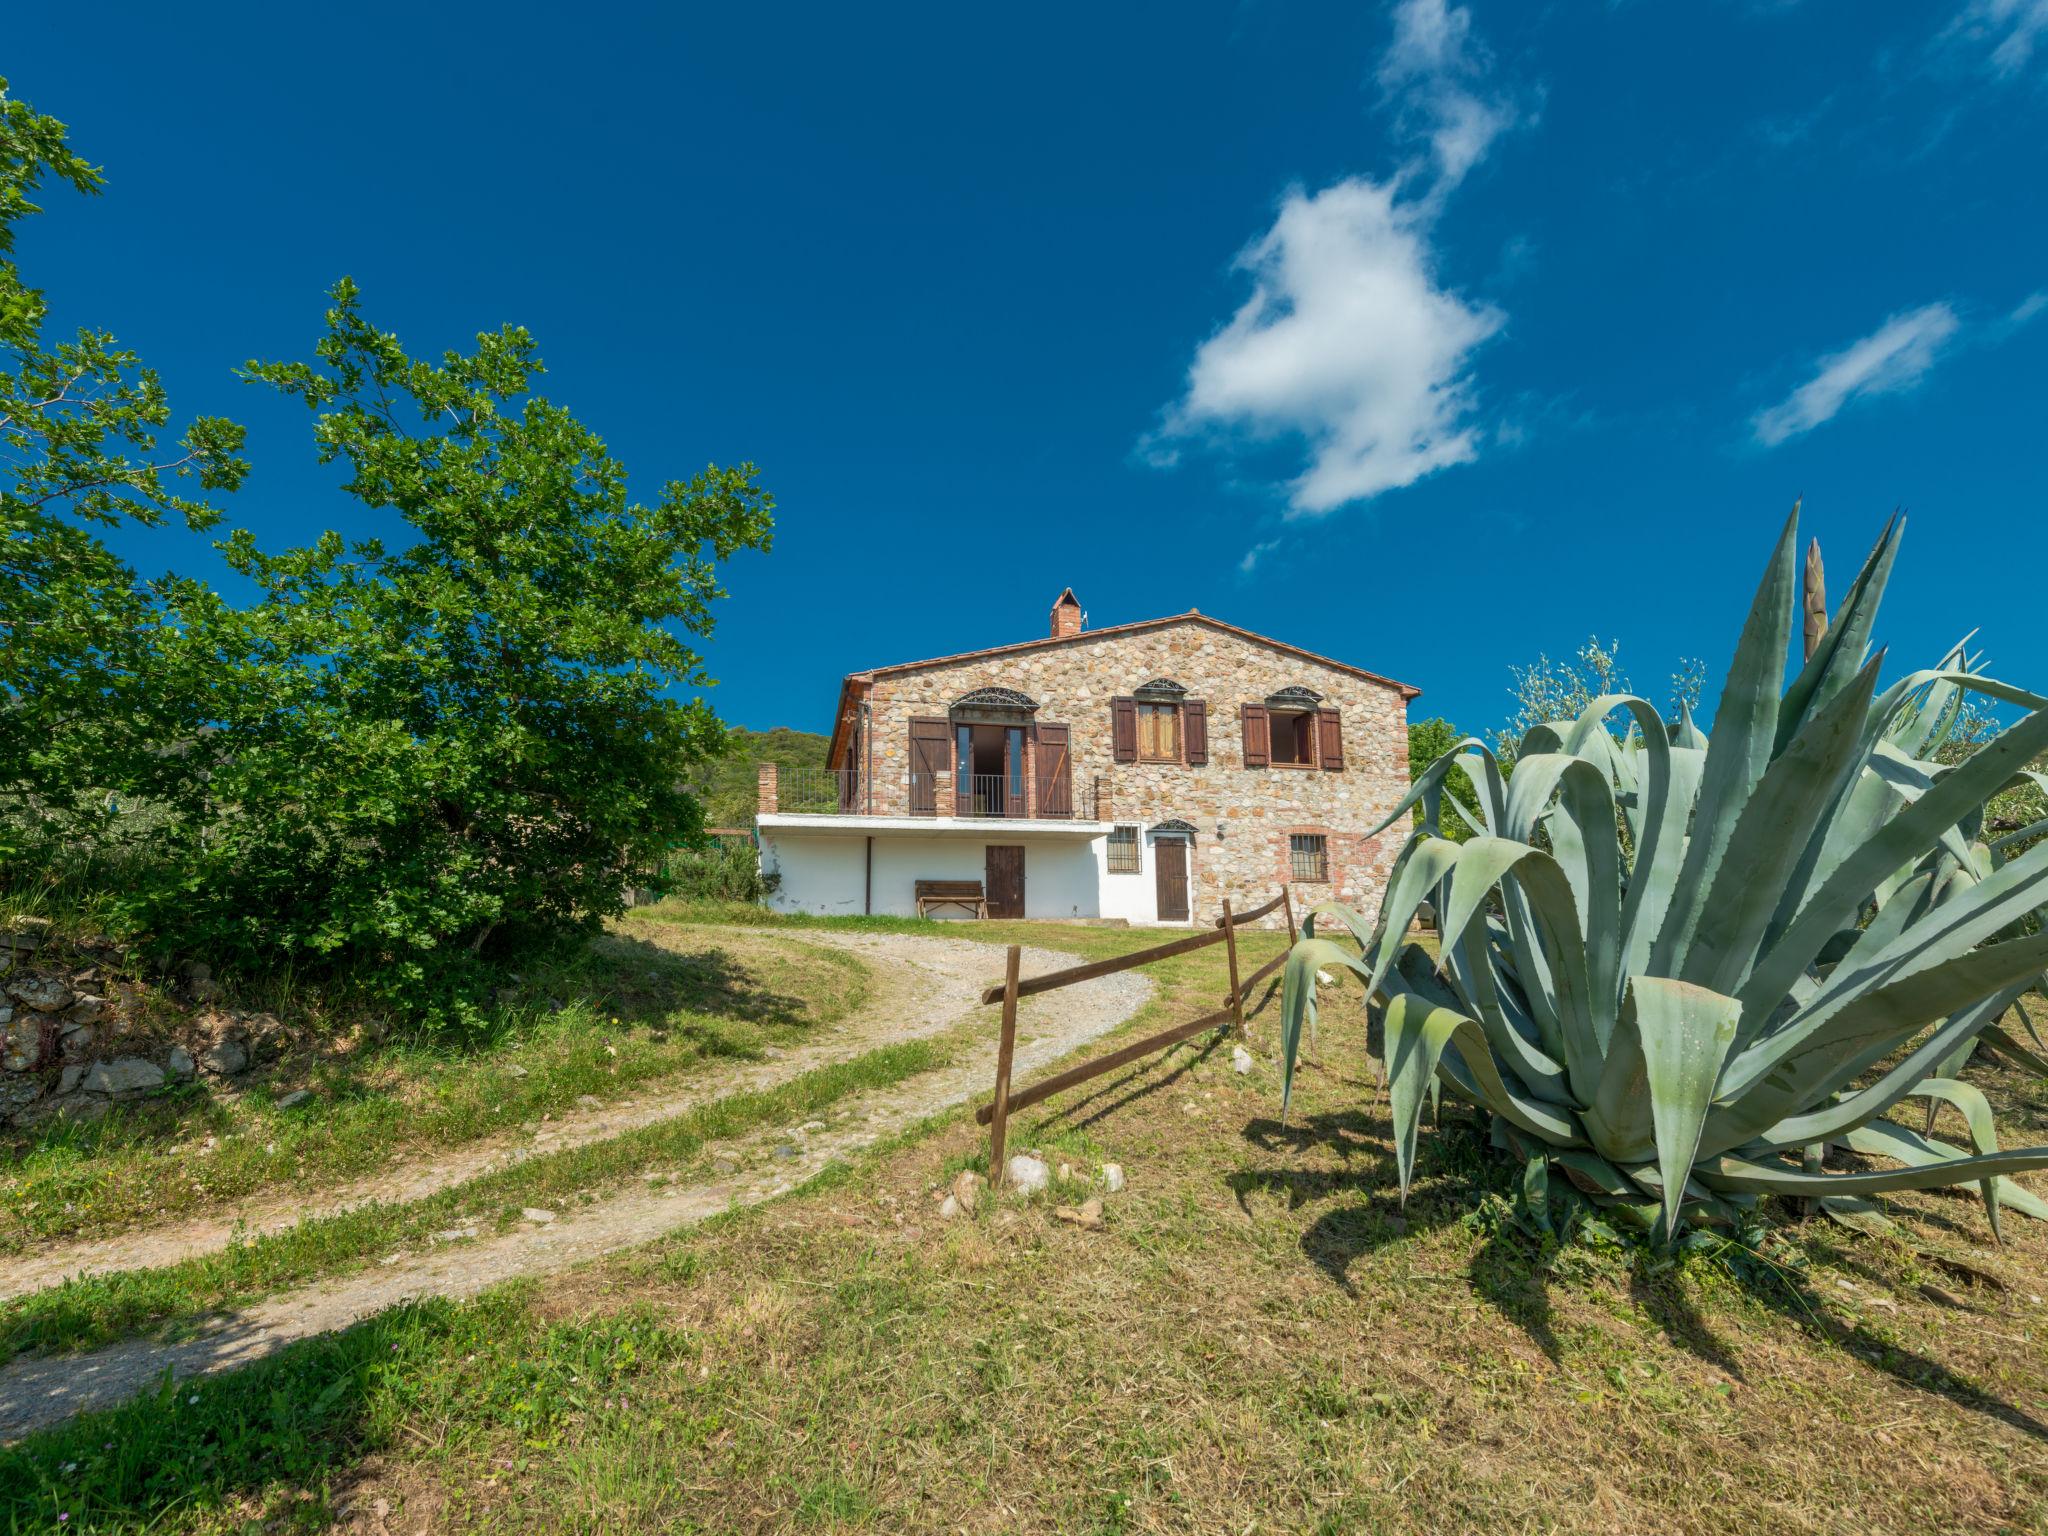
{"x": 1174, "y": 824}
{"x": 1295, "y": 697}
{"x": 1161, "y": 690}
{"x": 995, "y": 698}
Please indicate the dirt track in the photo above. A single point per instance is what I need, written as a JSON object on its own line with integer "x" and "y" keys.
{"x": 924, "y": 986}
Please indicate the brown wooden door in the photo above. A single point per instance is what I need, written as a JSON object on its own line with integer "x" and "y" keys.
{"x": 1170, "y": 866}
{"x": 1003, "y": 871}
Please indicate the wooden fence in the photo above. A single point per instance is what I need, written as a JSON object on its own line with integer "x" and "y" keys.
{"x": 996, "y": 1114}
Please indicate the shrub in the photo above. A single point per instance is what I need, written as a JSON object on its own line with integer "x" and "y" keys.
{"x": 725, "y": 869}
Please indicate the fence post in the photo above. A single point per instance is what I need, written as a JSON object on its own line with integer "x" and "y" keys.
{"x": 1287, "y": 907}
{"x": 1006, "y": 1048}
{"x": 1230, "y": 948}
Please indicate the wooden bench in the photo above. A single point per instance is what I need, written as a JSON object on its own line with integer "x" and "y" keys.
{"x": 951, "y": 893}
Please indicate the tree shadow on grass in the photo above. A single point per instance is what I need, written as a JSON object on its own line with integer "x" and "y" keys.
{"x": 1517, "y": 1265}
{"x": 303, "y": 1422}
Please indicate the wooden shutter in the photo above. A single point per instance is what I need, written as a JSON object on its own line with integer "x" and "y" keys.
{"x": 1123, "y": 734}
{"x": 1258, "y": 740}
{"x": 931, "y": 750}
{"x": 1332, "y": 739}
{"x": 1194, "y": 731}
{"x": 1055, "y": 772}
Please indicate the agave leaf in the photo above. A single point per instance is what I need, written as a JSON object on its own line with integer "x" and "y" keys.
{"x": 1469, "y": 964}
{"x": 1555, "y": 944}
{"x": 1418, "y": 871}
{"x": 1774, "y": 830}
{"x": 1837, "y": 1119}
{"x": 1488, "y": 783}
{"x": 1786, "y": 1071}
{"x": 1417, "y": 1033}
{"x": 1745, "y": 731}
{"x": 1466, "y": 1064}
{"x": 1298, "y": 999}
{"x": 2003, "y": 1044}
{"x": 1839, "y": 656}
{"x": 1536, "y": 1191}
{"x": 1665, "y": 1058}
{"x": 1917, "y": 733}
{"x": 1902, "y": 839}
{"x": 1729, "y": 1172}
{"x": 1976, "y": 1112}
{"x": 1887, "y": 1138}
{"x": 1671, "y": 786}
{"x": 1945, "y": 928}
{"x": 1583, "y": 843}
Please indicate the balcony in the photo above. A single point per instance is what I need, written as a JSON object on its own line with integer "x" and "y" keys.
{"x": 845, "y": 792}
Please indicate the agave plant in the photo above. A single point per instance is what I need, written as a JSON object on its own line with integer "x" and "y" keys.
{"x": 1676, "y": 970}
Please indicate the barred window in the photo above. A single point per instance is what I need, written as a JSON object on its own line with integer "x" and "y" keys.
{"x": 1123, "y": 851}
{"x": 1308, "y": 854}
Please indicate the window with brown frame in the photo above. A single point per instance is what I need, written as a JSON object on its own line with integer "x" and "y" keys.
{"x": 1308, "y": 856}
{"x": 1123, "y": 851}
{"x": 1294, "y": 737}
{"x": 1158, "y": 733}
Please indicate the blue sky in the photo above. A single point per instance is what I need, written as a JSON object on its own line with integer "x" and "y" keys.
{"x": 1428, "y": 336}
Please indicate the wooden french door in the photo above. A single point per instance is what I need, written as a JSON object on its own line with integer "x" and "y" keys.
{"x": 1003, "y": 871}
{"x": 1170, "y": 870}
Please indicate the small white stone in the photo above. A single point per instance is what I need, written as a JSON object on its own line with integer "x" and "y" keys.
{"x": 967, "y": 1190}
{"x": 949, "y": 1209}
{"x": 1325, "y": 979}
{"x": 1113, "y": 1177}
{"x": 294, "y": 1099}
{"x": 1027, "y": 1175}
{"x": 539, "y": 1217}
{"x": 1240, "y": 1060}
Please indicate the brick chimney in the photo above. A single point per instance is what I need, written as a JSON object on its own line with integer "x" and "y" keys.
{"x": 1066, "y": 615}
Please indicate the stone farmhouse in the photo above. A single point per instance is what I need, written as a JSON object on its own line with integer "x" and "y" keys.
{"x": 1141, "y": 772}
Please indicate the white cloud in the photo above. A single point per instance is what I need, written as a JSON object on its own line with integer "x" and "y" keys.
{"x": 1894, "y": 357}
{"x": 1349, "y": 340}
{"x": 1255, "y": 554}
{"x": 2013, "y": 27}
{"x": 1430, "y": 74}
{"x": 2026, "y": 309}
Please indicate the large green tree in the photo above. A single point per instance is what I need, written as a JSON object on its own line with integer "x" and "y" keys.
{"x": 463, "y": 735}
{"x": 410, "y": 756}
{"x": 82, "y": 449}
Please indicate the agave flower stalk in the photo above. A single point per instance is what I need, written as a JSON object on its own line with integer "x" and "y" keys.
{"x": 1675, "y": 969}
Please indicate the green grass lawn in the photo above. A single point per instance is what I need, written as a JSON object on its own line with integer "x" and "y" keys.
{"x": 1262, "y": 1338}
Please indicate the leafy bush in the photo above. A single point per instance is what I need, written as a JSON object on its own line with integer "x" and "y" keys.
{"x": 725, "y": 869}
{"x": 1667, "y": 965}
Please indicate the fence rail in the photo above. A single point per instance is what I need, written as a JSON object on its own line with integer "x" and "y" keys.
{"x": 996, "y": 1113}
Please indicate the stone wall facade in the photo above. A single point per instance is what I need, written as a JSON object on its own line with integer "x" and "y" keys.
{"x": 1242, "y": 815}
